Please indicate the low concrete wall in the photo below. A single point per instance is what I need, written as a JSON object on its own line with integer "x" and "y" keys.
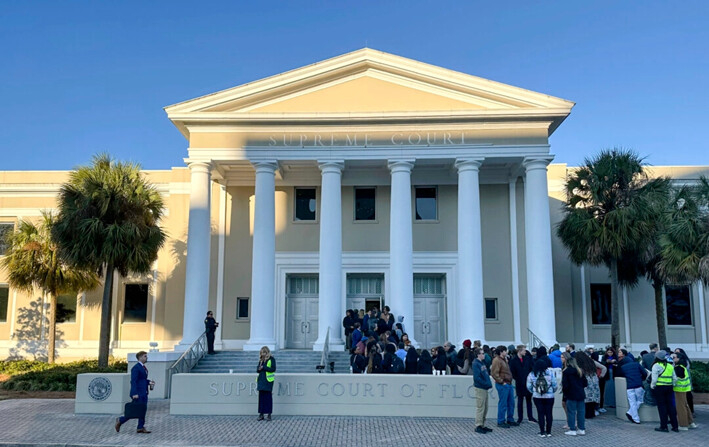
{"x": 647, "y": 413}
{"x": 101, "y": 393}
{"x": 333, "y": 394}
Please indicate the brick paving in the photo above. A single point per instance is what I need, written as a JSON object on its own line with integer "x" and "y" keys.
{"x": 45, "y": 422}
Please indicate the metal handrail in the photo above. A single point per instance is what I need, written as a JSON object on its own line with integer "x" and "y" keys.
{"x": 325, "y": 349}
{"x": 187, "y": 360}
{"x": 534, "y": 341}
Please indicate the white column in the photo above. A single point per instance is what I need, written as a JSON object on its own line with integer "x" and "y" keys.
{"x": 540, "y": 274}
{"x": 469, "y": 305}
{"x": 514, "y": 261}
{"x": 702, "y": 314}
{"x": 330, "y": 297}
{"x": 584, "y": 303}
{"x": 401, "y": 267}
{"x": 626, "y": 318}
{"x": 219, "y": 308}
{"x": 198, "y": 243}
{"x": 263, "y": 259}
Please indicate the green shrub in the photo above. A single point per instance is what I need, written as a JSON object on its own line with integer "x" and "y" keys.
{"x": 30, "y": 375}
{"x": 700, "y": 377}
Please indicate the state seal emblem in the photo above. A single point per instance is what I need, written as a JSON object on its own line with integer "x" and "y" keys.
{"x": 100, "y": 388}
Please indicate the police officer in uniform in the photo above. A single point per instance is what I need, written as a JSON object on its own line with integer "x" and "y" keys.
{"x": 210, "y": 327}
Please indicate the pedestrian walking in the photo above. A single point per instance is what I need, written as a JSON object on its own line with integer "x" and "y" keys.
{"x": 266, "y": 375}
{"x": 140, "y": 387}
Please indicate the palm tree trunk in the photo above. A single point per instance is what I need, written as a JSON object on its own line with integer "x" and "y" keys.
{"x": 660, "y": 314}
{"x": 105, "y": 334}
{"x": 51, "y": 346}
{"x": 615, "y": 305}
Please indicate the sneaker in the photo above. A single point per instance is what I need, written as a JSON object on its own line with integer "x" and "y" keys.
{"x": 570, "y": 432}
{"x": 663, "y": 430}
{"x": 684, "y": 428}
{"x": 503, "y": 425}
{"x": 581, "y": 432}
{"x": 602, "y": 410}
{"x": 636, "y": 422}
{"x": 480, "y": 430}
{"x": 548, "y": 435}
{"x": 513, "y": 423}
{"x": 676, "y": 430}
{"x": 692, "y": 425}
{"x": 533, "y": 421}
{"x": 597, "y": 413}
{"x": 542, "y": 435}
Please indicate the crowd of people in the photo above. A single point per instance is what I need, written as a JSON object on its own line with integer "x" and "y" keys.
{"x": 379, "y": 345}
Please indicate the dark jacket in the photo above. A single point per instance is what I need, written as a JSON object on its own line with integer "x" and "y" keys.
{"x": 262, "y": 384}
{"x": 139, "y": 382}
{"x": 440, "y": 361}
{"x": 633, "y": 372}
{"x": 425, "y": 365}
{"x": 481, "y": 376}
{"x": 356, "y": 337}
{"x": 358, "y": 362}
{"x": 411, "y": 363}
{"x": 387, "y": 363}
{"x": 520, "y": 369}
{"x": 348, "y": 323}
{"x": 572, "y": 385}
{"x": 210, "y": 325}
{"x": 648, "y": 360}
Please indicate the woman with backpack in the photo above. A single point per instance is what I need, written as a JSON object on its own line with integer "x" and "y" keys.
{"x": 541, "y": 382}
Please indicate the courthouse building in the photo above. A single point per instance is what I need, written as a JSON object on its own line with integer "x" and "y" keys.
{"x": 367, "y": 179}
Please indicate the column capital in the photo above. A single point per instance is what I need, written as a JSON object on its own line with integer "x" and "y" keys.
{"x": 401, "y": 165}
{"x": 537, "y": 162}
{"x": 199, "y": 165}
{"x": 265, "y": 166}
{"x": 467, "y": 164}
{"x": 331, "y": 166}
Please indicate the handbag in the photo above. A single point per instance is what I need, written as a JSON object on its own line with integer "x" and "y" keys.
{"x": 135, "y": 409}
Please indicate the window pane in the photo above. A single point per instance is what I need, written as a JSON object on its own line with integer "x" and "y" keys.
{"x": 242, "y": 310}
{"x": 426, "y": 203}
{"x": 66, "y": 308}
{"x": 5, "y": 230}
{"x": 136, "y": 305}
{"x": 491, "y": 308}
{"x": 601, "y": 303}
{"x": 305, "y": 204}
{"x": 679, "y": 305}
{"x": 365, "y": 204}
{"x": 4, "y": 294}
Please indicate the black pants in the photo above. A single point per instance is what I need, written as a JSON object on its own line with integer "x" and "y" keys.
{"x": 265, "y": 402}
{"x": 590, "y": 410}
{"x": 666, "y": 406}
{"x": 602, "y": 385}
{"x": 544, "y": 413}
{"x": 690, "y": 402}
{"x": 210, "y": 342}
{"x": 521, "y": 397}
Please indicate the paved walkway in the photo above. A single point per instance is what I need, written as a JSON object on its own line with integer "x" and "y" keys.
{"x": 44, "y": 422}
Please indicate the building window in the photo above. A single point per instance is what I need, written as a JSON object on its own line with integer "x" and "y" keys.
{"x": 136, "y": 303}
{"x": 5, "y": 230}
{"x": 426, "y": 208}
{"x": 66, "y": 308}
{"x": 242, "y": 308}
{"x": 364, "y": 204}
{"x": 679, "y": 305}
{"x": 305, "y": 204}
{"x": 600, "y": 303}
{"x": 491, "y": 308}
{"x": 4, "y": 300}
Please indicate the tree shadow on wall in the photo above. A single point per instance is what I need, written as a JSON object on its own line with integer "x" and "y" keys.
{"x": 30, "y": 325}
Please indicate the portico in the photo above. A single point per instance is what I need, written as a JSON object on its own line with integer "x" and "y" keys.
{"x": 435, "y": 146}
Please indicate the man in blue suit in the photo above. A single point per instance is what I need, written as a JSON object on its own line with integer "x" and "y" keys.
{"x": 139, "y": 388}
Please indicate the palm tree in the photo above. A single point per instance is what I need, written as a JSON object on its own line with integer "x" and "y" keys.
{"x": 32, "y": 262}
{"x": 609, "y": 215}
{"x": 108, "y": 220}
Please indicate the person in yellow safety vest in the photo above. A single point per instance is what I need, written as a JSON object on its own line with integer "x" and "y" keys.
{"x": 264, "y": 383}
{"x": 682, "y": 387}
{"x": 663, "y": 378}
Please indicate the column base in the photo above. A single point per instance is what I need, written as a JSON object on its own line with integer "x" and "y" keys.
{"x": 256, "y": 345}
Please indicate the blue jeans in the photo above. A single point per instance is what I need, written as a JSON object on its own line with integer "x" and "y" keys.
{"x": 506, "y": 405}
{"x": 576, "y": 409}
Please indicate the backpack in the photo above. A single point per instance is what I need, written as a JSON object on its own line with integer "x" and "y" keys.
{"x": 397, "y": 365}
{"x": 542, "y": 386}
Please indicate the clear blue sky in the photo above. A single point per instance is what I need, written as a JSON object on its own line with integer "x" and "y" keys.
{"x": 77, "y": 78}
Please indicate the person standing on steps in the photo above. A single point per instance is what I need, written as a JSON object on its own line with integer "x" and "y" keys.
{"x": 139, "y": 389}
{"x": 210, "y": 327}
{"x": 264, "y": 384}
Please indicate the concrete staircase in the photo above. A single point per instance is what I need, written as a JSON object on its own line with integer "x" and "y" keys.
{"x": 287, "y": 361}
